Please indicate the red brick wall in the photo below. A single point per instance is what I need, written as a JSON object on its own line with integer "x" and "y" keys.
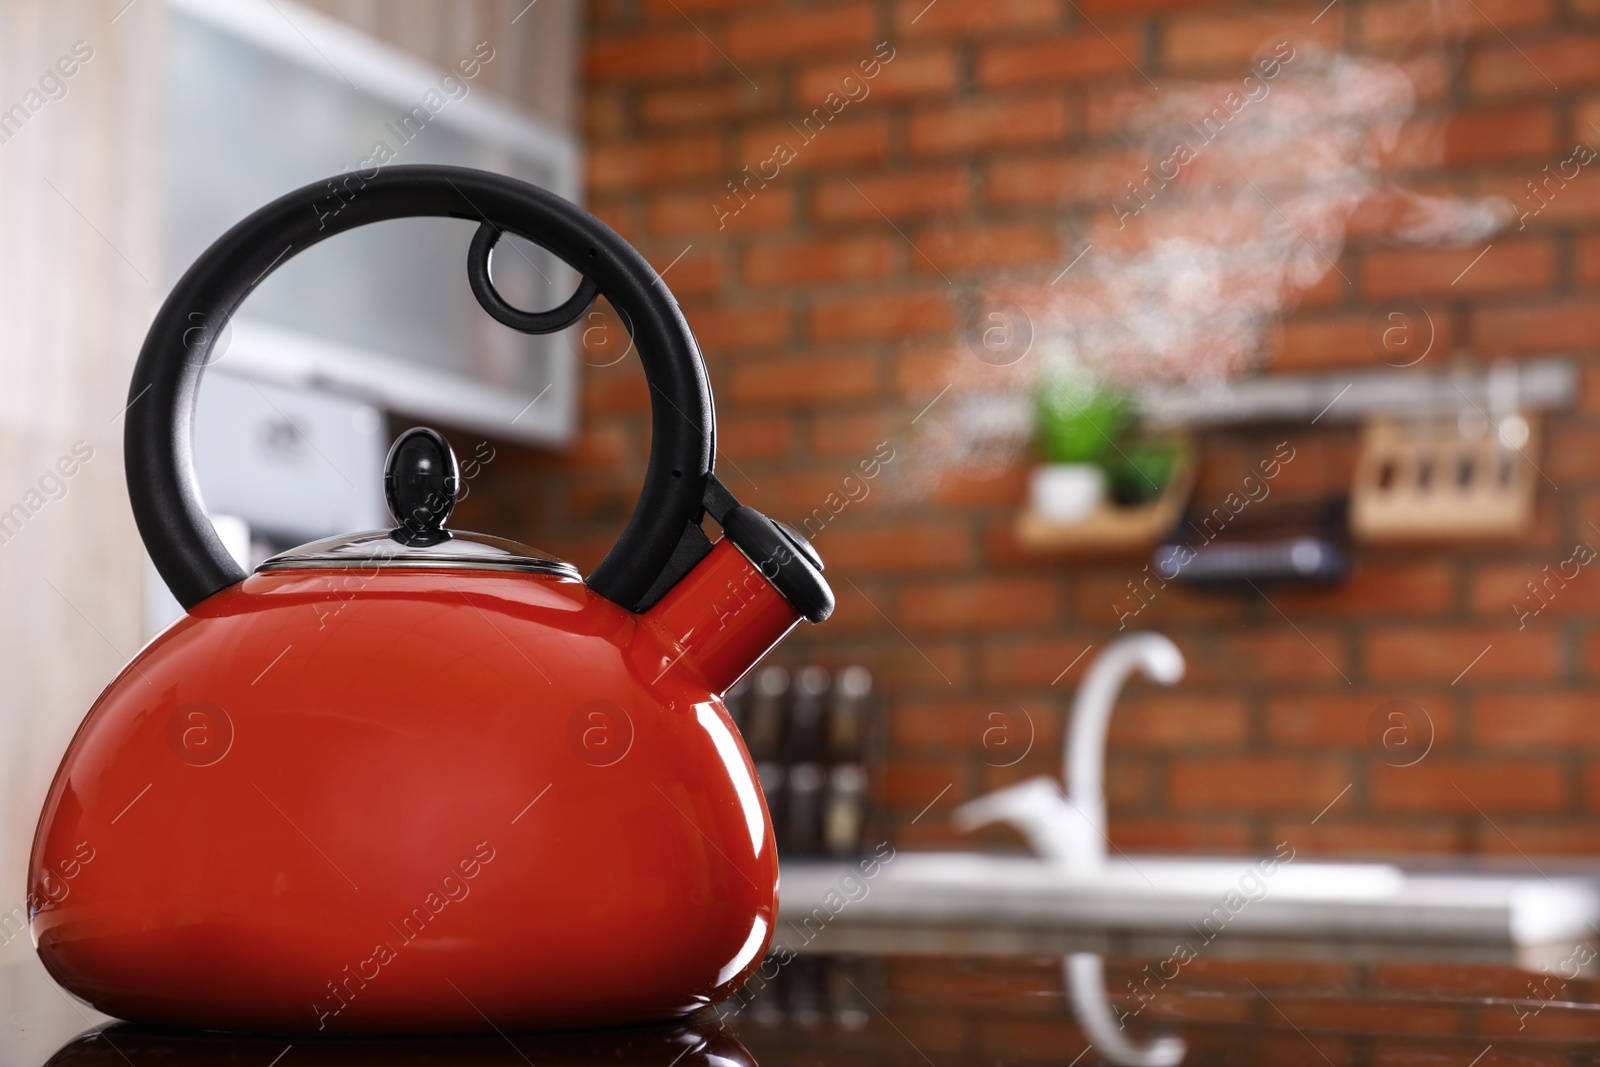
{"x": 829, "y": 309}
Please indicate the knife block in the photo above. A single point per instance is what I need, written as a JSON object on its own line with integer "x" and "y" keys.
{"x": 1426, "y": 480}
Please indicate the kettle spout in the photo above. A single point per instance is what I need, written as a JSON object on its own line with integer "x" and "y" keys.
{"x": 725, "y": 615}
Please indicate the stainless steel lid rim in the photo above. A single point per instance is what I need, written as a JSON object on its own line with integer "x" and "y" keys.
{"x": 375, "y": 550}
{"x": 530, "y": 566}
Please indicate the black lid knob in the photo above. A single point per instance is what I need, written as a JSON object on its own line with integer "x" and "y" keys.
{"x": 420, "y": 482}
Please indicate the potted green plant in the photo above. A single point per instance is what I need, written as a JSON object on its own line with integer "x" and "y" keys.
{"x": 1078, "y": 420}
{"x": 1140, "y": 470}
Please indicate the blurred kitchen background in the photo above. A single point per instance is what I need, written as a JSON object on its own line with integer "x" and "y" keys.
{"x": 1310, "y": 396}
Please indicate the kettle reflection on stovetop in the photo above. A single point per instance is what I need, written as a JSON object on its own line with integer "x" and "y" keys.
{"x": 691, "y": 1043}
{"x": 419, "y": 780}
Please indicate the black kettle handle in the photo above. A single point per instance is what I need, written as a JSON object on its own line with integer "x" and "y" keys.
{"x": 158, "y": 441}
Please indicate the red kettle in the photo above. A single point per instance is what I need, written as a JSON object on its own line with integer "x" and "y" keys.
{"x": 419, "y": 780}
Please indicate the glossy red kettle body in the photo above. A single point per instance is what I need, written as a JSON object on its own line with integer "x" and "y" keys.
{"x": 422, "y": 782}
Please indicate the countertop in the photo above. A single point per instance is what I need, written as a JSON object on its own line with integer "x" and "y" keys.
{"x": 950, "y": 997}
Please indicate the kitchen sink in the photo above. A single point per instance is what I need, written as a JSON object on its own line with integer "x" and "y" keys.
{"x": 1075, "y": 881}
{"x": 1199, "y": 897}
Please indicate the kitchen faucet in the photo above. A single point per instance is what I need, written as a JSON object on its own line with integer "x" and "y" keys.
{"x": 1070, "y": 829}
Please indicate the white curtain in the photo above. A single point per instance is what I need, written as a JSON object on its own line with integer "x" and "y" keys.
{"x": 79, "y": 275}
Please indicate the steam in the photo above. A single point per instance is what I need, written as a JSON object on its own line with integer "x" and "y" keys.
{"x": 1238, "y": 200}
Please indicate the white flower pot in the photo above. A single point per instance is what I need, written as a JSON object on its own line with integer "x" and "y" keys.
{"x": 1066, "y": 492}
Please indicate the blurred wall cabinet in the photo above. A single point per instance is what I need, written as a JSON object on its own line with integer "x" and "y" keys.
{"x": 263, "y": 96}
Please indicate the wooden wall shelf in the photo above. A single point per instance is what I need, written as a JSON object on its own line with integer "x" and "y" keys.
{"x": 1113, "y": 529}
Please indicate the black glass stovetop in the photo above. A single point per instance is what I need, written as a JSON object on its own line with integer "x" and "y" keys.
{"x": 1263, "y": 1003}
